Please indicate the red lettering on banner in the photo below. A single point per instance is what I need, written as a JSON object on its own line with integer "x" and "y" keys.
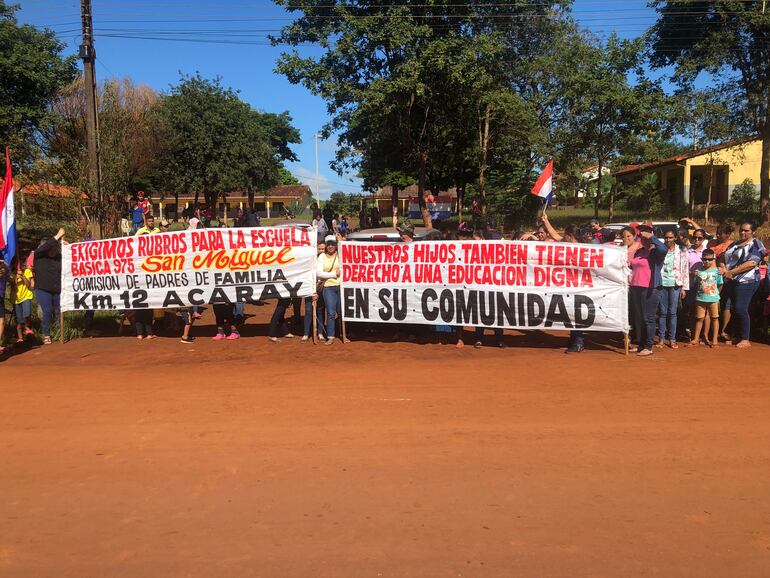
{"x": 495, "y": 253}
{"x": 241, "y": 260}
{"x": 570, "y": 255}
{"x": 239, "y": 241}
{"x": 279, "y": 237}
{"x": 499, "y": 275}
{"x": 102, "y": 250}
{"x": 89, "y": 268}
{"x": 206, "y": 240}
{"x": 169, "y": 244}
{"x": 158, "y": 263}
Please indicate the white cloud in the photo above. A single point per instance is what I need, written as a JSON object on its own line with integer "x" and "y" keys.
{"x": 326, "y": 185}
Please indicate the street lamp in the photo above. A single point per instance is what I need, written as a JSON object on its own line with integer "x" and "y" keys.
{"x": 317, "y": 187}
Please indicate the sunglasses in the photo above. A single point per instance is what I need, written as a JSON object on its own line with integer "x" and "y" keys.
{"x": 708, "y": 258}
{"x": 698, "y": 238}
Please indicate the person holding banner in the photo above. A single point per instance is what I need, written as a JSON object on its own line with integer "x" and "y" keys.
{"x": 321, "y": 248}
{"x": 48, "y": 281}
{"x": 479, "y": 235}
{"x": 328, "y": 271}
{"x": 645, "y": 279}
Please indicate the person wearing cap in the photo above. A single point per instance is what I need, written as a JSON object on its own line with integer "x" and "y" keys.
{"x": 646, "y": 266}
{"x": 328, "y": 273}
{"x": 164, "y": 226}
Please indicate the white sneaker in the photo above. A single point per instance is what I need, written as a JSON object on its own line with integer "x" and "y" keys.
{"x": 304, "y": 338}
{"x": 329, "y": 341}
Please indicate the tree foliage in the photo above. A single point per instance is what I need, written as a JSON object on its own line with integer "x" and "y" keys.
{"x": 219, "y": 144}
{"x": 730, "y": 40}
{"x": 32, "y": 71}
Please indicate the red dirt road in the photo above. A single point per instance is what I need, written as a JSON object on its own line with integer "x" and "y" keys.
{"x": 122, "y": 458}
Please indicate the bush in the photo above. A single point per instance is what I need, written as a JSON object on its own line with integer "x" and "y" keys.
{"x": 744, "y": 198}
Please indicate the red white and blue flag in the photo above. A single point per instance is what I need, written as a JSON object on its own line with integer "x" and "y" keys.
{"x": 7, "y": 215}
{"x": 544, "y": 186}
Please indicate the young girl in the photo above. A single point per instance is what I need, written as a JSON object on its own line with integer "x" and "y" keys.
{"x": 23, "y": 284}
{"x": 708, "y": 282}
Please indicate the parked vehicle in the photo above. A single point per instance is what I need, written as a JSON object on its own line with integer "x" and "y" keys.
{"x": 658, "y": 226}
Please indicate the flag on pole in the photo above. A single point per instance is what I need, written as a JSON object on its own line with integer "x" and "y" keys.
{"x": 7, "y": 215}
{"x": 544, "y": 186}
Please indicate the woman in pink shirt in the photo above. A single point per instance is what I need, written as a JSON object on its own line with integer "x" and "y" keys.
{"x": 645, "y": 278}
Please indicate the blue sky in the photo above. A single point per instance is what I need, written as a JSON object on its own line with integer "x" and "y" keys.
{"x": 245, "y": 67}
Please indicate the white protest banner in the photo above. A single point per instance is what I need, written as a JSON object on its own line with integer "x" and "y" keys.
{"x": 505, "y": 284}
{"x": 193, "y": 267}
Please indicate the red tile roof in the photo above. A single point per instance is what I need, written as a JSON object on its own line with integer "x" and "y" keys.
{"x": 681, "y": 157}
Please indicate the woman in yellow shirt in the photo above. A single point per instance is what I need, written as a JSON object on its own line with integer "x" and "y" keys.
{"x": 23, "y": 282}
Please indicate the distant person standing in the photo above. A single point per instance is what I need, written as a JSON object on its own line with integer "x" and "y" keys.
{"x": 149, "y": 227}
{"x": 319, "y": 224}
{"x": 137, "y": 217}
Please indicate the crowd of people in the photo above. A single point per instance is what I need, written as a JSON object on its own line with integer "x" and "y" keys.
{"x": 683, "y": 287}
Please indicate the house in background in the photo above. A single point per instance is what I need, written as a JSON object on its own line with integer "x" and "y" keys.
{"x": 687, "y": 174}
{"x": 268, "y": 204}
{"x": 589, "y": 176}
{"x": 443, "y": 205}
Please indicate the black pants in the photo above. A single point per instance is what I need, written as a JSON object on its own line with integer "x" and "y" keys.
{"x": 143, "y": 321}
{"x": 644, "y": 302}
{"x": 277, "y": 322}
{"x": 224, "y": 315}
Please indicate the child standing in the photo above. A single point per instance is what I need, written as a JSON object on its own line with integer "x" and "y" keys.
{"x": 23, "y": 284}
{"x": 708, "y": 282}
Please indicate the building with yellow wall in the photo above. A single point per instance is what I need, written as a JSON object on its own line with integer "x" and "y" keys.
{"x": 688, "y": 173}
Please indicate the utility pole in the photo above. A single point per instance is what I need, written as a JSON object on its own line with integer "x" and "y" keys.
{"x": 317, "y": 189}
{"x": 88, "y": 55}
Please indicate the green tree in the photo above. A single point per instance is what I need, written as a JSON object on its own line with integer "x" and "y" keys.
{"x": 343, "y": 204}
{"x": 219, "y": 144}
{"x": 606, "y": 111}
{"x": 287, "y": 178}
{"x": 729, "y": 40}
{"x": 130, "y": 141}
{"x": 32, "y": 70}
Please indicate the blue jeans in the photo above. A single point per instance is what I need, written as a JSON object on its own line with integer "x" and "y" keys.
{"x": 741, "y": 296}
{"x": 49, "y": 303}
{"x": 669, "y": 301}
{"x": 23, "y": 310}
{"x": 332, "y": 300}
{"x": 238, "y": 310}
{"x": 645, "y": 305}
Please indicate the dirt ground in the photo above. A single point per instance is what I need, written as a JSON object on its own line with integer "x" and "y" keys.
{"x": 126, "y": 458}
